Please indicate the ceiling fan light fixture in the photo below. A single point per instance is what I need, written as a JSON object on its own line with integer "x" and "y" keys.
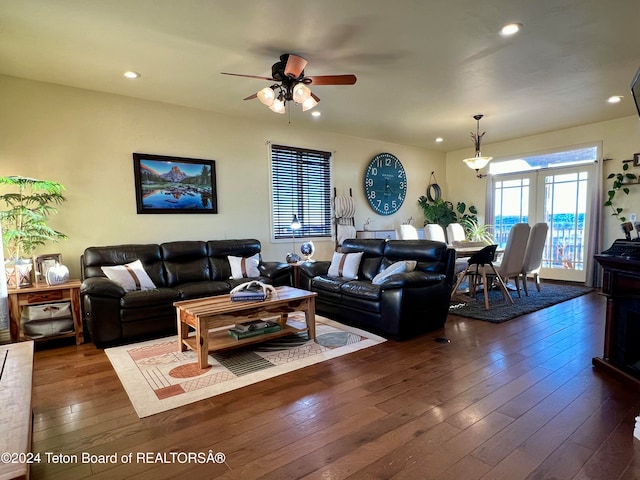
{"x": 278, "y": 106}
{"x": 292, "y": 85}
{"x": 301, "y": 93}
{"x": 309, "y": 103}
{"x": 267, "y": 96}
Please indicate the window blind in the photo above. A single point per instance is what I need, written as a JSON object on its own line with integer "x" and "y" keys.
{"x": 301, "y": 185}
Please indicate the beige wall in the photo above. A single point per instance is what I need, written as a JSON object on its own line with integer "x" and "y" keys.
{"x": 85, "y": 139}
{"x": 619, "y": 140}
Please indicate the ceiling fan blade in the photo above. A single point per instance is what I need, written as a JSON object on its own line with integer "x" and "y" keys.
{"x": 332, "y": 80}
{"x": 251, "y": 97}
{"x": 248, "y": 76}
{"x": 295, "y": 66}
{"x": 315, "y": 97}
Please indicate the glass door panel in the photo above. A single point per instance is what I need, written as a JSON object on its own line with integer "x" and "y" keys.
{"x": 512, "y": 197}
{"x": 558, "y": 196}
{"x": 565, "y": 207}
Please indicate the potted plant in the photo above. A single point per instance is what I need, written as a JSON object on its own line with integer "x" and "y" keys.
{"x": 442, "y": 212}
{"x": 619, "y": 183}
{"x": 27, "y": 207}
{"x": 476, "y": 232}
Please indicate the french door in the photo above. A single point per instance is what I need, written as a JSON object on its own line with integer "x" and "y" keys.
{"x": 558, "y": 196}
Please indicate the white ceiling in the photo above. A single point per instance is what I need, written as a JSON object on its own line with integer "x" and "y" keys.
{"x": 424, "y": 67}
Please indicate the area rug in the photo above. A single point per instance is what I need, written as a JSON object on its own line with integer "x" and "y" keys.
{"x": 157, "y": 377}
{"x": 500, "y": 310}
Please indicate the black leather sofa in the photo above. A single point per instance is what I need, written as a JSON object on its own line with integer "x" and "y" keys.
{"x": 180, "y": 271}
{"x": 404, "y": 305}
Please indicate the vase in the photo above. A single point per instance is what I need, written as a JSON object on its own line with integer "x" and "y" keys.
{"x": 57, "y": 274}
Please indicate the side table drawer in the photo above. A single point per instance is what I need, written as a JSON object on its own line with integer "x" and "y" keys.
{"x": 37, "y": 297}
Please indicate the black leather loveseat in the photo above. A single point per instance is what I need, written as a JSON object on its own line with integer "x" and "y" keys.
{"x": 179, "y": 271}
{"x": 404, "y": 304}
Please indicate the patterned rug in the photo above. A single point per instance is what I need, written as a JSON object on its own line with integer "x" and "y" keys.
{"x": 157, "y": 377}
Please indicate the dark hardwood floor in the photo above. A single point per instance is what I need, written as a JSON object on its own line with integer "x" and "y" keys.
{"x": 518, "y": 400}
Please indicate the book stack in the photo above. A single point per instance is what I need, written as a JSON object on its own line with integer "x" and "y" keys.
{"x": 252, "y": 293}
{"x": 253, "y": 329}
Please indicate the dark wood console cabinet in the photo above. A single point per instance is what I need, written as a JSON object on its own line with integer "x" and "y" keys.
{"x": 621, "y": 286}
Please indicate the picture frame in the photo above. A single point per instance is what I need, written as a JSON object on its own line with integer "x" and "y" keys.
{"x": 170, "y": 185}
{"x": 42, "y": 264}
{"x": 636, "y": 159}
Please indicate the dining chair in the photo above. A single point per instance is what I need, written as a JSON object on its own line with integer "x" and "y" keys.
{"x": 513, "y": 257}
{"x": 433, "y": 231}
{"x": 479, "y": 267}
{"x": 406, "y": 232}
{"x": 455, "y": 233}
{"x": 533, "y": 255}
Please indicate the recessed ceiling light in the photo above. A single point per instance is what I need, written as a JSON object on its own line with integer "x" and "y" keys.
{"x": 316, "y": 113}
{"x": 439, "y": 140}
{"x": 510, "y": 29}
{"x": 614, "y": 99}
{"x": 131, "y": 74}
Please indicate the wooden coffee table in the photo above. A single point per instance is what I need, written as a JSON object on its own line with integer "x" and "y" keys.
{"x": 208, "y": 315}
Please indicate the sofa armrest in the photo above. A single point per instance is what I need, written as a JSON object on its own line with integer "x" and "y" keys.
{"x": 308, "y": 270}
{"x": 412, "y": 280}
{"x": 313, "y": 269}
{"x": 102, "y": 286}
{"x": 450, "y": 266}
{"x": 279, "y": 273}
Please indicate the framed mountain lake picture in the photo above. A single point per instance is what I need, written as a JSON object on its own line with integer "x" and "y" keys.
{"x": 174, "y": 184}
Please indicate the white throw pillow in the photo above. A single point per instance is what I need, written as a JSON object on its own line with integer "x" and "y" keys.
{"x": 345, "y": 265}
{"x": 397, "y": 267}
{"x": 131, "y": 276}
{"x": 244, "y": 267}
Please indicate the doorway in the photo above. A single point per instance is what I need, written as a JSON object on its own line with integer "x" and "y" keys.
{"x": 559, "y": 196}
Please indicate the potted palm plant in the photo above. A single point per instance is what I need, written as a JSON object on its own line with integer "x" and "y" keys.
{"x": 27, "y": 206}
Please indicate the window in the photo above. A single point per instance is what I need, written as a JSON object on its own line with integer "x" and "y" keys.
{"x": 563, "y": 158}
{"x": 300, "y": 185}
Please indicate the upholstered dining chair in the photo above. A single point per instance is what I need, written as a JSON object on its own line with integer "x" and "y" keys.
{"x": 406, "y": 232}
{"x": 479, "y": 266}
{"x": 455, "y": 236}
{"x": 433, "y": 231}
{"x": 533, "y": 255}
{"x": 513, "y": 257}
{"x": 455, "y": 233}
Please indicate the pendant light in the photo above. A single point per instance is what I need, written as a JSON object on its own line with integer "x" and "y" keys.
{"x": 477, "y": 161}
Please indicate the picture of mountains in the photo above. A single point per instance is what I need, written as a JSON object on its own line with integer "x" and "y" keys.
{"x": 174, "y": 186}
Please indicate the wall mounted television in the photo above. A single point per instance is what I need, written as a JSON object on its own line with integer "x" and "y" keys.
{"x": 635, "y": 90}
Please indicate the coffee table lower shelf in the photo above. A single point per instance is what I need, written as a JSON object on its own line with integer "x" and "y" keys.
{"x": 220, "y": 340}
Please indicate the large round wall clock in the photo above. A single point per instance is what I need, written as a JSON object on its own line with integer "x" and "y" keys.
{"x": 385, "y": 184}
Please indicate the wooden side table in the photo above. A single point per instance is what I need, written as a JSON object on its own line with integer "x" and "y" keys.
{"x": 41, "y": 294}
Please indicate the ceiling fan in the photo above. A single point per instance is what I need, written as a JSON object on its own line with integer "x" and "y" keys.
{"x": 293, "y": 84}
